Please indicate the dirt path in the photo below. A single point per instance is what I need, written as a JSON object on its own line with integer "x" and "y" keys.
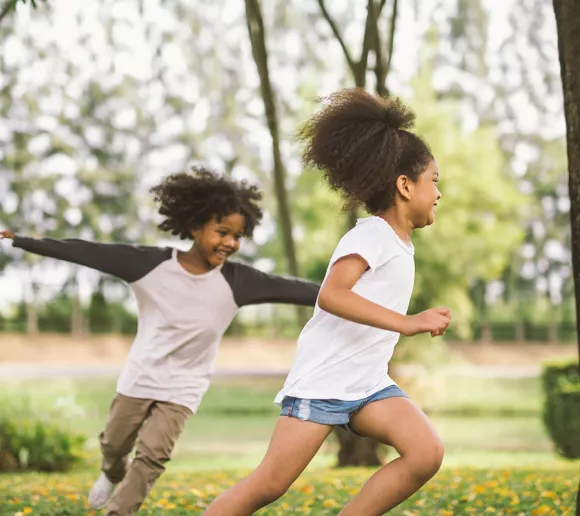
{"x": 58, "y": 355}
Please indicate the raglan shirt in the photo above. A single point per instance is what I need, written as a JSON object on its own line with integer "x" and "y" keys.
{"x": 182, "y": 316}
{"x": 341, "y": 359}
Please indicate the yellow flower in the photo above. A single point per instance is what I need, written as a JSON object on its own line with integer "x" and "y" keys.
{"x": 330, "y": 503}
{"x": 27, "y": 510}
{"x": 445, "y": 512}
{"x": 549, "y": 494}
{"x": 542, "y": 509}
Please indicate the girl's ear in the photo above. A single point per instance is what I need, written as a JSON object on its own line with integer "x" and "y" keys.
{"x": 403, "y": 184}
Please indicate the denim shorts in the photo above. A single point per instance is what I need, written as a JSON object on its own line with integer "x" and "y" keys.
{"x": 334, "y": 412}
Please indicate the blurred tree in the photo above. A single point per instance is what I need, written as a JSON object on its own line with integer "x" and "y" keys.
{"x": 355, "y": 451}
{"x": 257, "y": 35}
{"x": 507, "y": 79}
{"x": 480, "y": 210}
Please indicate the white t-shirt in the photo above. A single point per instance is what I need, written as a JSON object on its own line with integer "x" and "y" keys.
{"x": 344, "y": 360}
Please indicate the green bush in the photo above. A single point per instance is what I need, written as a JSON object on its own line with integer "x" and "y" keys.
{"x": 562, "y": 407}
{"x": 29, "y": 441}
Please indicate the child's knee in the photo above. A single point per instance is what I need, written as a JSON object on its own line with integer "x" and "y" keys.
{"x": 427, "y": 460}
{"x": 271, "y": 489}
{"x": 112, "y": 447}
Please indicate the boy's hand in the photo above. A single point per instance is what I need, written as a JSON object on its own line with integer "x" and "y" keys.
{"x": 435, "y": 321}
{"x": 4, "y": 233}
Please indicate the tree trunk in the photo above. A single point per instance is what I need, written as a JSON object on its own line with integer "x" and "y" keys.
{"x": 32, "y": 311}
{"x": 520, "y": 332}
{"x": 356, "y": 451}
{"x": 568, "y": 25}
{"x": 257, "y": 34}
{"x": 6, "y": 8}
{"x": 77, "y": 324}
{"x": 568, "y": 28}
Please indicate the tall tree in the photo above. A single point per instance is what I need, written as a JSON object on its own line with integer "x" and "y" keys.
{"x": 568, "y": 27}
{"x": 354, "y": 450}
{"x": 257, "y": 33}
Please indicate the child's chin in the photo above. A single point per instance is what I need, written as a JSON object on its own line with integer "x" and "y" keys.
{"x": 217, "y": 260}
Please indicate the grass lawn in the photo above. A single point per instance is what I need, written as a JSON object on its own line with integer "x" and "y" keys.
{"x": 498, "y": 460}
{"x": 454, "y": 491}
{"x": 236, "y": 418}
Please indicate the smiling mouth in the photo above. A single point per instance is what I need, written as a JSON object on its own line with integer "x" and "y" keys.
{"x": 222, "y": 253}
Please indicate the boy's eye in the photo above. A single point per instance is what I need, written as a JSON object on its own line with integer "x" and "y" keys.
{"x": 222, "y": 233}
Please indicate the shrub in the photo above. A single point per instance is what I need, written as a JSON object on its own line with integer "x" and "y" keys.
{"x": 31, "y": 441}
{"x": 562, "y": 407}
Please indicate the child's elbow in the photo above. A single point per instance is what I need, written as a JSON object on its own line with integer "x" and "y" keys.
{"x": 325, "y": 300}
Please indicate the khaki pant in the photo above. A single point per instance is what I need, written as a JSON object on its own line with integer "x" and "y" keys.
{"x": 156, "y": 438}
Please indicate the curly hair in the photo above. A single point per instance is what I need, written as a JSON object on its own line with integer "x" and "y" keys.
{"x": 189, "y": 201}
{"x": 362, "y": 144}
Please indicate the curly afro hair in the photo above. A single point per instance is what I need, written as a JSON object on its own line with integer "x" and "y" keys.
{"x": 362, "y": 144}
{"x": 189, "y": 201}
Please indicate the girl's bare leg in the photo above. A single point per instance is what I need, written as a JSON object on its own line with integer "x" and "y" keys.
{"x": 293, "y": 445}
{"x": 400, "y": 423}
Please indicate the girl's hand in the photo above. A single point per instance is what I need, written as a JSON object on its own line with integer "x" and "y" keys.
{"x": 435, "y": 321}
{"x": 4, "y": 233}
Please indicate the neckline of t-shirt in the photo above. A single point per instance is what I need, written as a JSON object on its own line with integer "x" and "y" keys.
{"x": 410, "y": 248}
{"x": 186, "y": 272}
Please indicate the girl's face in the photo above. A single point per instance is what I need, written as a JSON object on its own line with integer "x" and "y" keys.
{"x": 219, "y": 239}
{"x": 424, "y": 196}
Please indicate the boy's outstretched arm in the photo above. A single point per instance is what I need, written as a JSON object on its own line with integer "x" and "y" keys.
{"x": 124, "y": 261}
{"x": 252, "y": 287}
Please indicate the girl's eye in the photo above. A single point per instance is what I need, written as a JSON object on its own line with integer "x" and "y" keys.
{"x": 222, "y": 233}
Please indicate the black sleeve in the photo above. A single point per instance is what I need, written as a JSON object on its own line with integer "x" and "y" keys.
{"x": 124, "y": 261}
{"x": 251, "y": 287}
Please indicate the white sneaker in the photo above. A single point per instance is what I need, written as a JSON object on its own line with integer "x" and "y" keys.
{"x": 101, "y": 492}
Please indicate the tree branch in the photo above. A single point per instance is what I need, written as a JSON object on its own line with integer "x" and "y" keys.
{"x": 338, "y": 36}
{"x": 378, "y": 49}
{"x": 6, "y": 8}
{"x": 392, "y": 36}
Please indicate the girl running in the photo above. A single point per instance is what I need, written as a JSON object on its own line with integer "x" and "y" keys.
{"x": 340, "y": 375}
{"x": 186, "y": 302}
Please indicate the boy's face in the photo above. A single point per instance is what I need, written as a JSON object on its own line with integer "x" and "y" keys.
{"x": 219, "y": 239}
{"x": 425, "y": 196}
